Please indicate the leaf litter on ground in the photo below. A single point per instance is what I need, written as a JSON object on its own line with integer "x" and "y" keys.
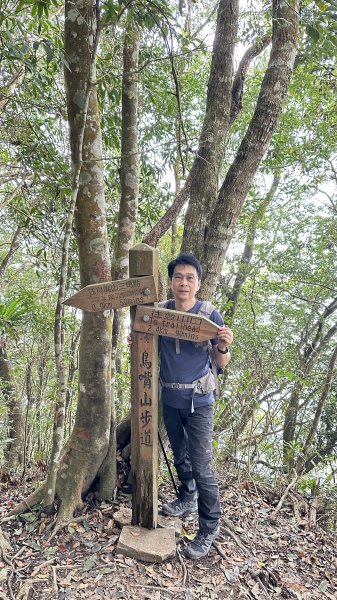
{"x": 256, "y": 557}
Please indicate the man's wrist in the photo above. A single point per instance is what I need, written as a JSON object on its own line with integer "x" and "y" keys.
{"x": 225, "y": 350}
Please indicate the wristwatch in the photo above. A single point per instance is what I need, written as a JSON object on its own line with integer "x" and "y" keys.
{"x": 223, "y": 351}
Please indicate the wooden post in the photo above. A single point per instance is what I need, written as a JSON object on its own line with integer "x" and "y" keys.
{"x": 144, "y": 404}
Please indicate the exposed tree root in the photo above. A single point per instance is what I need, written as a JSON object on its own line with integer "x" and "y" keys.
{"x": 228, "y": 530}
{"x": 65, "y": 515}
{"x": 58, "y": 525}
{"x": 184, "y": 568}
{"x": 313, "y": 513}
{"x": 4, "y": 546}
{"x": 287, "y": 490}
{"x": 34, "y": 498}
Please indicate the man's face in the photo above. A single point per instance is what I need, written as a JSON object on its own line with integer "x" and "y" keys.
{"x": 185, "y": 282}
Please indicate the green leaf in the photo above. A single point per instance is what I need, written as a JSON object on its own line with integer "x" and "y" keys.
{"x": 40, "y": 10}
{"x": 107, "y": 570}
{"x": 333, "y": 39}
{"x": 28, "y": 517}
{"x": 312, "y": 32}
{"x": 321, "y": 5}
{"x": 89, "y": 563}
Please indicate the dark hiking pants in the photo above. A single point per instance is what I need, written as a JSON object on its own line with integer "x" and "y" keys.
{"x": 190, "y": 436}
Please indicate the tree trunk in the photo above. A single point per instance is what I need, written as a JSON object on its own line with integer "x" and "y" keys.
{"x": 300, "y": 464}
{"x": 89, "y": 441}
{"x": 182, "y": 195}
{"x": 290, "y": 422}
{"x": 129, "y": 175}
{"x": 9, "y": 89}
{"x": 247, "y": 254}
{"x": 129, "y": 171}
{"x": 308, "y": 353}
{"x": 61, "y": 366}
{"x": 13, "y": 451}
{"x": 319, "y": 455}
{"x": 208, "y": 162}
{"x": 212, "y": 244}
{"x": 15, "y": 245}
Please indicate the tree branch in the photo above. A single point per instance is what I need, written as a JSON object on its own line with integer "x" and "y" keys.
{"x": 314, "y": 425}
{"x": 241, "y": 73}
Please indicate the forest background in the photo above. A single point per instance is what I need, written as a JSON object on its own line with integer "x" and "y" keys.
{"x": 197, "y": 125}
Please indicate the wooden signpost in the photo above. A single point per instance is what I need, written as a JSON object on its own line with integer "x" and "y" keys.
{"x": 174, "y": 323}
{"x": 115, "y": 294}
{"x": 144, "y": 404}
{"x": 141, "y": 288}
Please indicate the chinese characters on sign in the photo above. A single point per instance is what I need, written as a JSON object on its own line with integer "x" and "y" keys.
{"x": 123, "y": 293}
{"x": 173, "y": 323}
{"x": 145, "y": 378}
{"x": 115, "y": 294}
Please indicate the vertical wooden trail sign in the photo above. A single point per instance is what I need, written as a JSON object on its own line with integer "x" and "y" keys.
{"x": 143, "y": 261}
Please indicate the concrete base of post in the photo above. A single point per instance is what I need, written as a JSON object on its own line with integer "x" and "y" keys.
{"x": 149, "y": 545}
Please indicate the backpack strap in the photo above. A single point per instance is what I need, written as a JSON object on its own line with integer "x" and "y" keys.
{"x": 206, "y": 309}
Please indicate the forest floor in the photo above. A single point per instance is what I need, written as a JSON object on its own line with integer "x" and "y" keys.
{"x": 265, "y": 551}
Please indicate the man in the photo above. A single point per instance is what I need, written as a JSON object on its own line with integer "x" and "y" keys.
{"x": 187, "y": 396}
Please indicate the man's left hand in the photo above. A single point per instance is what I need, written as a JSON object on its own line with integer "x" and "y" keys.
{"x": 225, "y": 337}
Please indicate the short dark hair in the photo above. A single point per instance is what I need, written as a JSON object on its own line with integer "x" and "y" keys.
{"x": 184, "y": 259}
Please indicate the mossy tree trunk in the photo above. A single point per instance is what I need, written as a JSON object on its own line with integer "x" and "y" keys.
{"x": 13, "y": 451}
{"x": 89, "y": 441}
{"x": 129, "y": 176}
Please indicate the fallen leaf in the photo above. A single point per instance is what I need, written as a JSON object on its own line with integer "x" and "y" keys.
{"x": 232, "y": 575}
{"x": 89, "y": 563}
{"x": 42, "y": 527}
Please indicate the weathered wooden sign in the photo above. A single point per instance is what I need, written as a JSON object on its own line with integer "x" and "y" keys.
{"x": 115, "y": 294}
{"x": 144, "y": 405}
{"x": 144, "y": 428}
{"x": 174, "y": 323}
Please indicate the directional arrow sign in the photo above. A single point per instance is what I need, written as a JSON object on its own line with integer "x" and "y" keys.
{"x": 174, "y": 323}
{"x": 115, "y": 294}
